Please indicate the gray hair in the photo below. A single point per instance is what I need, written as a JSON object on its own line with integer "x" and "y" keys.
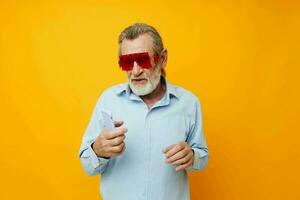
{"x": 134, "y": 31}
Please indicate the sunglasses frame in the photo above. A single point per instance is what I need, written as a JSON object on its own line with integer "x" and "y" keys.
{"x": 126, "y": 62}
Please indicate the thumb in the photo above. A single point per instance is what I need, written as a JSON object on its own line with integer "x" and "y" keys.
{"x": 118, "y": 123}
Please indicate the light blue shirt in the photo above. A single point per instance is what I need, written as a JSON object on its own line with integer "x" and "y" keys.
{"x": 140, "y": 172}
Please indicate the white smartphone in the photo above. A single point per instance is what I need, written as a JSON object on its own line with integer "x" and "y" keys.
{"x": 108, "y": 121}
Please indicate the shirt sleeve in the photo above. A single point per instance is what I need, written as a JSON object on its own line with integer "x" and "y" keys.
{"x": 92, "y": 164}
{"x": 196, "y": 139}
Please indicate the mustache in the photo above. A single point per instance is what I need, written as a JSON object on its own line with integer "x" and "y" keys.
{"x": 138, "y": 78}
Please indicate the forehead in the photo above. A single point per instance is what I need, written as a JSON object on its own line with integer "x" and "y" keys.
{"x": 142, "y": 43}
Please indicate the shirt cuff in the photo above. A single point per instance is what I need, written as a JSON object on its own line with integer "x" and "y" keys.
{"x": 95, "y": 161}
{"x": 198, "y": 160}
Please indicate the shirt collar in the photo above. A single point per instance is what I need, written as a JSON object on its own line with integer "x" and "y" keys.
{"x": 125, "y": 89}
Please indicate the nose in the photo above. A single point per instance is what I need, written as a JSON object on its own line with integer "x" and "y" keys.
{"x": 136, "y": 70}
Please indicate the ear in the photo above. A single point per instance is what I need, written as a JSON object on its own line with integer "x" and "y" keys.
{"x": 164, "y": 57}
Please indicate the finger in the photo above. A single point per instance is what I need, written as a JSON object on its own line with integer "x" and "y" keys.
{"x": 117, "y": 149}
{"x": 113, "y": 154}
{"x": 183, "y": 166}
{"x": 117, "y": 140}
{"x": 123, "y": 149}
{"x": 174, "y": 150}
{"x": 116, "y": 133}
{"x": 118, "y": 123}
{"x": 178, "y": 155}
{"x": 183, "y": 160}
{"x": 165, "y": 150}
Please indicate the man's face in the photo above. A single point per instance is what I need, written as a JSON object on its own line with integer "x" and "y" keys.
{"x": 142, "y": 81}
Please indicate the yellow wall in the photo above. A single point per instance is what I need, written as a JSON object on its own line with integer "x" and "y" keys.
{"x": 240, "y": 58}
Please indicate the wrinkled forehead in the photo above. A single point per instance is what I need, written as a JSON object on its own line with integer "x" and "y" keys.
{"x": 143, "y": 43}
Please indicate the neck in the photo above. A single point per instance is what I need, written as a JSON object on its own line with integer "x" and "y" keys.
{"x": 155, "y": 96}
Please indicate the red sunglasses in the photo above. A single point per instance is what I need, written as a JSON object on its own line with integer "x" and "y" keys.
{"x": 143, "y": 59}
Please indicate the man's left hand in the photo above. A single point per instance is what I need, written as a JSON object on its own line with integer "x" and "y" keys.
{"x": 180, "y": 155}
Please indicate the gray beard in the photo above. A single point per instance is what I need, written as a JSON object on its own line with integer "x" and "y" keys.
{"x": 150, "y": 86}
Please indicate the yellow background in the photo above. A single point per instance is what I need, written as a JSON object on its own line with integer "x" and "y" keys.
{"x": 241, "y": 58}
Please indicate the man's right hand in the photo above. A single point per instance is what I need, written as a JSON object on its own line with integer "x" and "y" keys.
{"x": 110, "y": 143}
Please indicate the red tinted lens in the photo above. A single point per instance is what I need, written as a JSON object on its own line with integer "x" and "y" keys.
{"x": 142, "y": 59}
{"x": 126, "y": 62}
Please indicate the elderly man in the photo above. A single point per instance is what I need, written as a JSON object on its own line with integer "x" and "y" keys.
{"x": 158, "y": 134}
